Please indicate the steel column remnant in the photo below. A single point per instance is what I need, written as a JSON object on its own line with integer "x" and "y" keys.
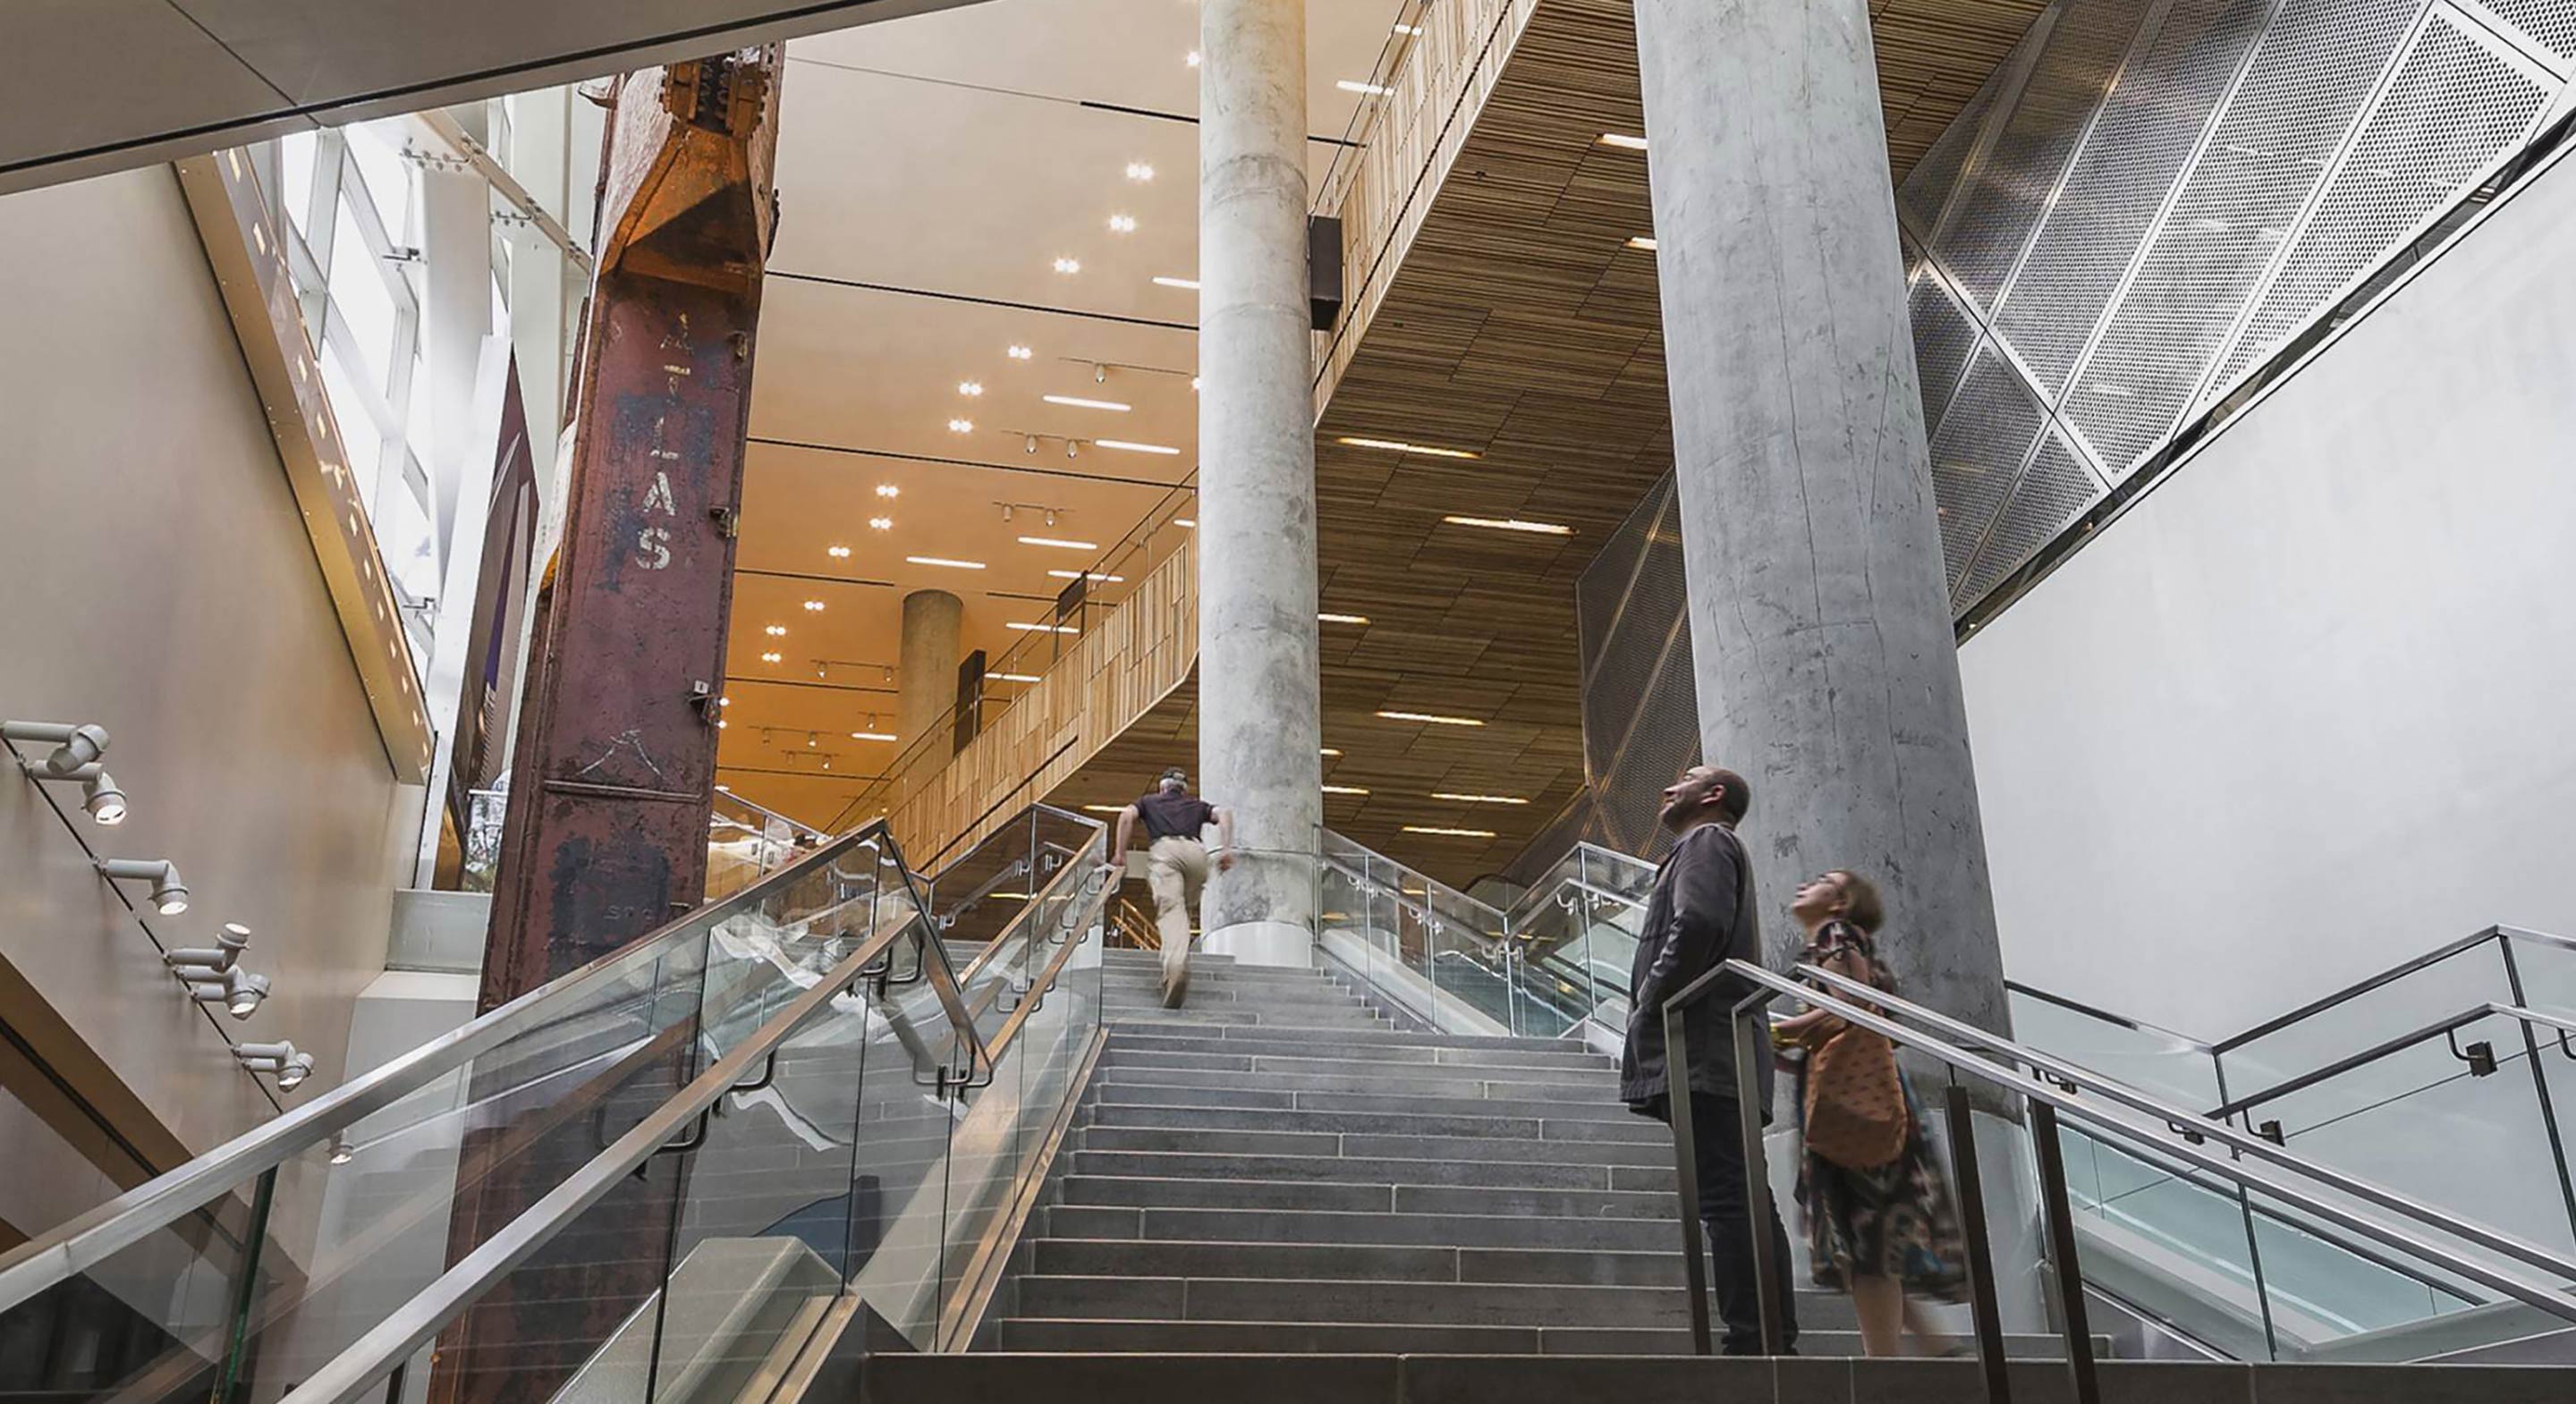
{"x": 606, "y": 833}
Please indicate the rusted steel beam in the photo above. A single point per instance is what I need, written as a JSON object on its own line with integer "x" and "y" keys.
{"x": 606, "y": 832}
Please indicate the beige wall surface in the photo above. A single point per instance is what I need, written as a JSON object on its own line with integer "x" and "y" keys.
{"x": 155, "y": 579}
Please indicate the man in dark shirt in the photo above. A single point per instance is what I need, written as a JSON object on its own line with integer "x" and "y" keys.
{"x": 1701, "y": 915}
{"x": 1176, "y": 865}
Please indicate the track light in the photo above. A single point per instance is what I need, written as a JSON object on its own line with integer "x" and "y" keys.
{"x": 169, "y": 894}
{"x": 237, "y": 990}
{"x": 279, "y": 1060}
{"x": 341, "y": 1151}
{"x": 104, "y": 801}
{"x": 201, "y": 963}
{"x": 74, "y": 746}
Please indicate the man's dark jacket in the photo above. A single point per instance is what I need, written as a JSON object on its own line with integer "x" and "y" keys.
{"x": 1701, "y": 914}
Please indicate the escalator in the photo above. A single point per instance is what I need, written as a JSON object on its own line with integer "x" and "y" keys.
{"x": 678, "y": 1172}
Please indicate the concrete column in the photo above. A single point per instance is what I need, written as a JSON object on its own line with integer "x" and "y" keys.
{"x": 1820, "y": 626}
{"x": 926, "y": 671}
{"x": 1260, "y": 716}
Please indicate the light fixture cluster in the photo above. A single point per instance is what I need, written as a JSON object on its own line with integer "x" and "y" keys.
{"x": 814, "y": 606}
{"x": 776, "y": 631}
{"x": 278, "y": 1060}
{"x": 961, "y": 426}
{"x": 75, "y": 759}
{"x": 213, "y": 975}
{"x": 1018, "y": 353}
{"x": 1068, "y": 265}
{"x": 1122, "y": 224}
{"x": 881, "y": 523}
{"x": 888, "y": 490}
{"x": 770, "y": 657}
{"x": 842, "y": 553}
{"x": 970, "y": 388}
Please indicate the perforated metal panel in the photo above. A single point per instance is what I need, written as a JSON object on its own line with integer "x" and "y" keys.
{"x": 1640, "y": 698}
{"x": 2128, "y": 165}
{"x": 1979, "y": 451}
{"x": 2454, "y": 106}
{"x": 2053, "y": 491}
{"x": 1929, "y": 185}
{"x": 2551, "y": 22}
{"x": 1943, "y": 337}
{"x": 1989, "y": 222}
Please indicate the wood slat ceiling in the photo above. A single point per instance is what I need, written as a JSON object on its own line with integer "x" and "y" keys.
{"x": 1523, "y": 329}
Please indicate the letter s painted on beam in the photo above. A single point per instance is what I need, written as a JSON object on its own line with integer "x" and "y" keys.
{"x": 650, "y": 552}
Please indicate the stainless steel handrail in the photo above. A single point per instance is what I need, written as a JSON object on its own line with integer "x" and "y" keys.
{"x": 2189, "y": 1123}
{"x": 764, "y": 811}
{"x": 2105, "y": 1016}
{"x": 2391, "y": 1046}
{"x": 2386, "y": 977}
{"x": 125, "y": 1220}
{"x": 380, "y": 1351}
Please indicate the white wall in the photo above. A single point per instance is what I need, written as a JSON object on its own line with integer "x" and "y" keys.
{"x": 155, "y": 578}
{"x": 2309, "y": 708}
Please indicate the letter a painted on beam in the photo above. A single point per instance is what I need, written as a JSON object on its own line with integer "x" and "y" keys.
{"x": 658, "y": 497}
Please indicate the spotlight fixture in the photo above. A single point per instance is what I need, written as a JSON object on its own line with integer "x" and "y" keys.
{"x": 1512, "y": 524}
{"x": 1350, "y": 85}
{"x": 1133, "y": 447}
{"x": 1061, "y": 542}
{"x": 724, "y": 701}
{"x": 1451, "y": 833}
{"x": 1031, "y": 446}
{"x": 205, "y": 962}
{"x": 1077, "y": 402}
{"x": 1138, "y": 170}
{"x": 812, "y": 739}
{"x": 1018, "y": 353}
{"x": 1072, "y": 448}
{"x": 888, "y": 490}
{"x": 100, "y": 796}
{"x": 1193, "y": 59}
{"x": 341, "y": 1151}
{"x": 1068, "y": 265}
{"x": 1050, "y": 516}
{"x": 1400, "y": 446}
{"x": 1122, "y": 224}
{"x": 961, "y": 426}
{"x": 1341, "y": 618}
{"x": 1642, "y": 241}
{"x": 1623, "y": 141}
{"x": 970, "y": 387}
{"x": 279, "y": 1060}
{"x": 881, "y": 523}
{"x": 169, "y": 894}
{"x": 838, "y": 553}
{"x": 1430, "y": 718}
{"x": 74, "y": 746}
{"x": 237, "y": 990}
{"x": 776, "y": 631}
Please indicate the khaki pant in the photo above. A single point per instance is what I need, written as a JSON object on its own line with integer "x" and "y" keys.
{"x": 1176, "y": 869}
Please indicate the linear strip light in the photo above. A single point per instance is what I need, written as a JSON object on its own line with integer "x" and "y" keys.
{"x": 943, "y": 561}
{"x": 1477, "y": 799}
{"x": 1330, "y": 751}
{"x": 1185, "y": 521}
{"x": 1342, "y": 618}
{"x": 1511, "y": 524}
{"x": 1623, "y": 141}
{"x": 871, "y": 736}
{"x": 1088, "y": 575}
{"x": 1184, "y": 284}
{"x": 1042, "y": 628}
{"x": 1106, "y": 808}
{"x": 1132, "y": 447}
{"x": 1013, "y": 677}
{"x": 1344, "y": 790}
{"x": 1432, "y": 718}
{"x": 1077, "y": 402}
{"x": 1401, "y": 446}
{"x": 1452, "y": 833}
{"x": 1352, "y": 85}
{"x": 1059, "y": 541}
{"x": 1642, "y": 241}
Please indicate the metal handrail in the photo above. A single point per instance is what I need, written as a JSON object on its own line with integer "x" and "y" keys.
{"x": 2106, "y": 1016}
{"x": 2389, "y": 976}
{"x": 764, "y": 811}
{"x": 2389, "y": 1047}
{"x": 127, "y": 1219}
{"x": 380, "y": 1351}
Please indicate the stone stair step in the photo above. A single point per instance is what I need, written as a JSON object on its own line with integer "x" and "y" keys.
{"x": 1388, "y": 1037}
{"x": 1304, "y": 1017}
{"x": 1459, "y": 1083}
{"x": 1370, "y": 1262}
{"x": 1356, "y": 1170}
{"x": 1331, "y": 1226}
{"x": 1211, "y": 1193}
{"x": 1316, "y": 1337}
{"x": 1229, "y": 1141}
{"x": 1636, "y": 1131}
{"x": 1395, "y": 1048}
{"x": 1336, "y": 1300}
{"x": 1322, "y": 1058}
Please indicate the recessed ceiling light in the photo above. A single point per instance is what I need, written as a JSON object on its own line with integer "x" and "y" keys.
{"x": 1122, "y": 224}
{"x": 1642, "y": 241}
{"x": 1511, "y": 524}
{"x": 970, "y": 387}
{"x": 1188, "y": 284}
{"x": 1132, "y": 447}
{"x": 888, "y": 490}
{"x": 1342, "y": 618}
{"x": 1330, "y": 751}
{"x": 838, "y": 553}
{"x": 1343, "y": 790}
{"x": 1623, "y": 141}
{"x": 1368, "y": 89}
{"x": 870, "y": 736}
{"x": 1068, "y": 265}
{"x": 1431, "y": 717}
{"x": 1077, "y": 402}
{"x": 815, "y": 605}
{"x": 1400, "y": 446}
{"x": 1059, "y": 541}
{"x": 769, "y": 658}
{"x": 1088, "y": 575}
{"x": 1014, "y": 677}
{"x": 1477, "y": 799}
{"x": 1452, "y": 833}
{"x": 1041, "y": 628}
{"x": 944, "y": 561}
{"x": 1019, "y": 353}
{"x": 1138, "y": 170}
{"x": 1193, "y": 59}
{"x": 776, "y": 631}
{"x": 961, "y": 426}
{"x": 880, "y": 523}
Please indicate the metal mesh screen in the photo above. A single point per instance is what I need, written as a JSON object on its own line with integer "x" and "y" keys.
{"x": 2551, "y": 22}
{"x": 1943, "y": 337}
{"x": 2056, "y": 487}
{"x": 2310, "y": 76}
{"x": 1989, "y": 221}
{"x": 2129, "y": 163}
{"x": 1928, "y": 186}
{"x": 2454, "y": 106}
{"x": 1977, "y": 454}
